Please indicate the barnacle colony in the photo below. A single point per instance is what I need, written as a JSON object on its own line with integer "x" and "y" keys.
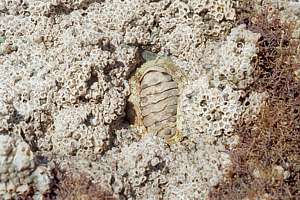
{"x": 153, "y": 103}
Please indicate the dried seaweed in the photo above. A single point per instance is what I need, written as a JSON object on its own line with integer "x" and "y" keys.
{"x": 80, "y": 187}
{"x": 271, "y": 140}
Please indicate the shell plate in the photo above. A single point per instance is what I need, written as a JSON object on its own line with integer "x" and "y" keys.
{"x": 154, "y": 101}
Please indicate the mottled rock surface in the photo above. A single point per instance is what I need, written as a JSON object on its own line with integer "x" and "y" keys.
{"x": 64, "y": 71}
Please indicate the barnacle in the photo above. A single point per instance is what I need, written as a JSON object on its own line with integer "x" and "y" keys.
{"x": 154, "y": 101}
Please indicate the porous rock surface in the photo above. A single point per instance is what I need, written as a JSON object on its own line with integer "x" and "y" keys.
{"x": 64, "y": 83}
{"x": 19, "y": 173}
{"x": 211, "y": 100}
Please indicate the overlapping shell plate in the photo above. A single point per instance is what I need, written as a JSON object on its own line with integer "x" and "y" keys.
{"x": 154, "y": 101}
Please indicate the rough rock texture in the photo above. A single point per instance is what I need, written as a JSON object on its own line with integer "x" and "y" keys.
{"x": 211, "y": 103}
{"x": 148, "y": 169}
{"x": 212, "y": 100}
{"x": 19, "y": 173}
{"x": 64, "y": 76}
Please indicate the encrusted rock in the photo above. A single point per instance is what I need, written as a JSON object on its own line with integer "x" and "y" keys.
{"x": 17, "y": 159}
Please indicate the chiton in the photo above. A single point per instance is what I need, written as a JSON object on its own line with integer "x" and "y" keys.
{"x": 154, "y": 100}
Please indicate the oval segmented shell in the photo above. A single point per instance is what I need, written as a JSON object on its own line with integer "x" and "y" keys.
{"x": 155, "y": 93}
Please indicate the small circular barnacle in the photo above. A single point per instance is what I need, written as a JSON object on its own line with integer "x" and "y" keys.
{"x": 154, "y": 101}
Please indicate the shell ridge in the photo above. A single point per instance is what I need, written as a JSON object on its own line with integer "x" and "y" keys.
{"x": 157, "y": 98}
